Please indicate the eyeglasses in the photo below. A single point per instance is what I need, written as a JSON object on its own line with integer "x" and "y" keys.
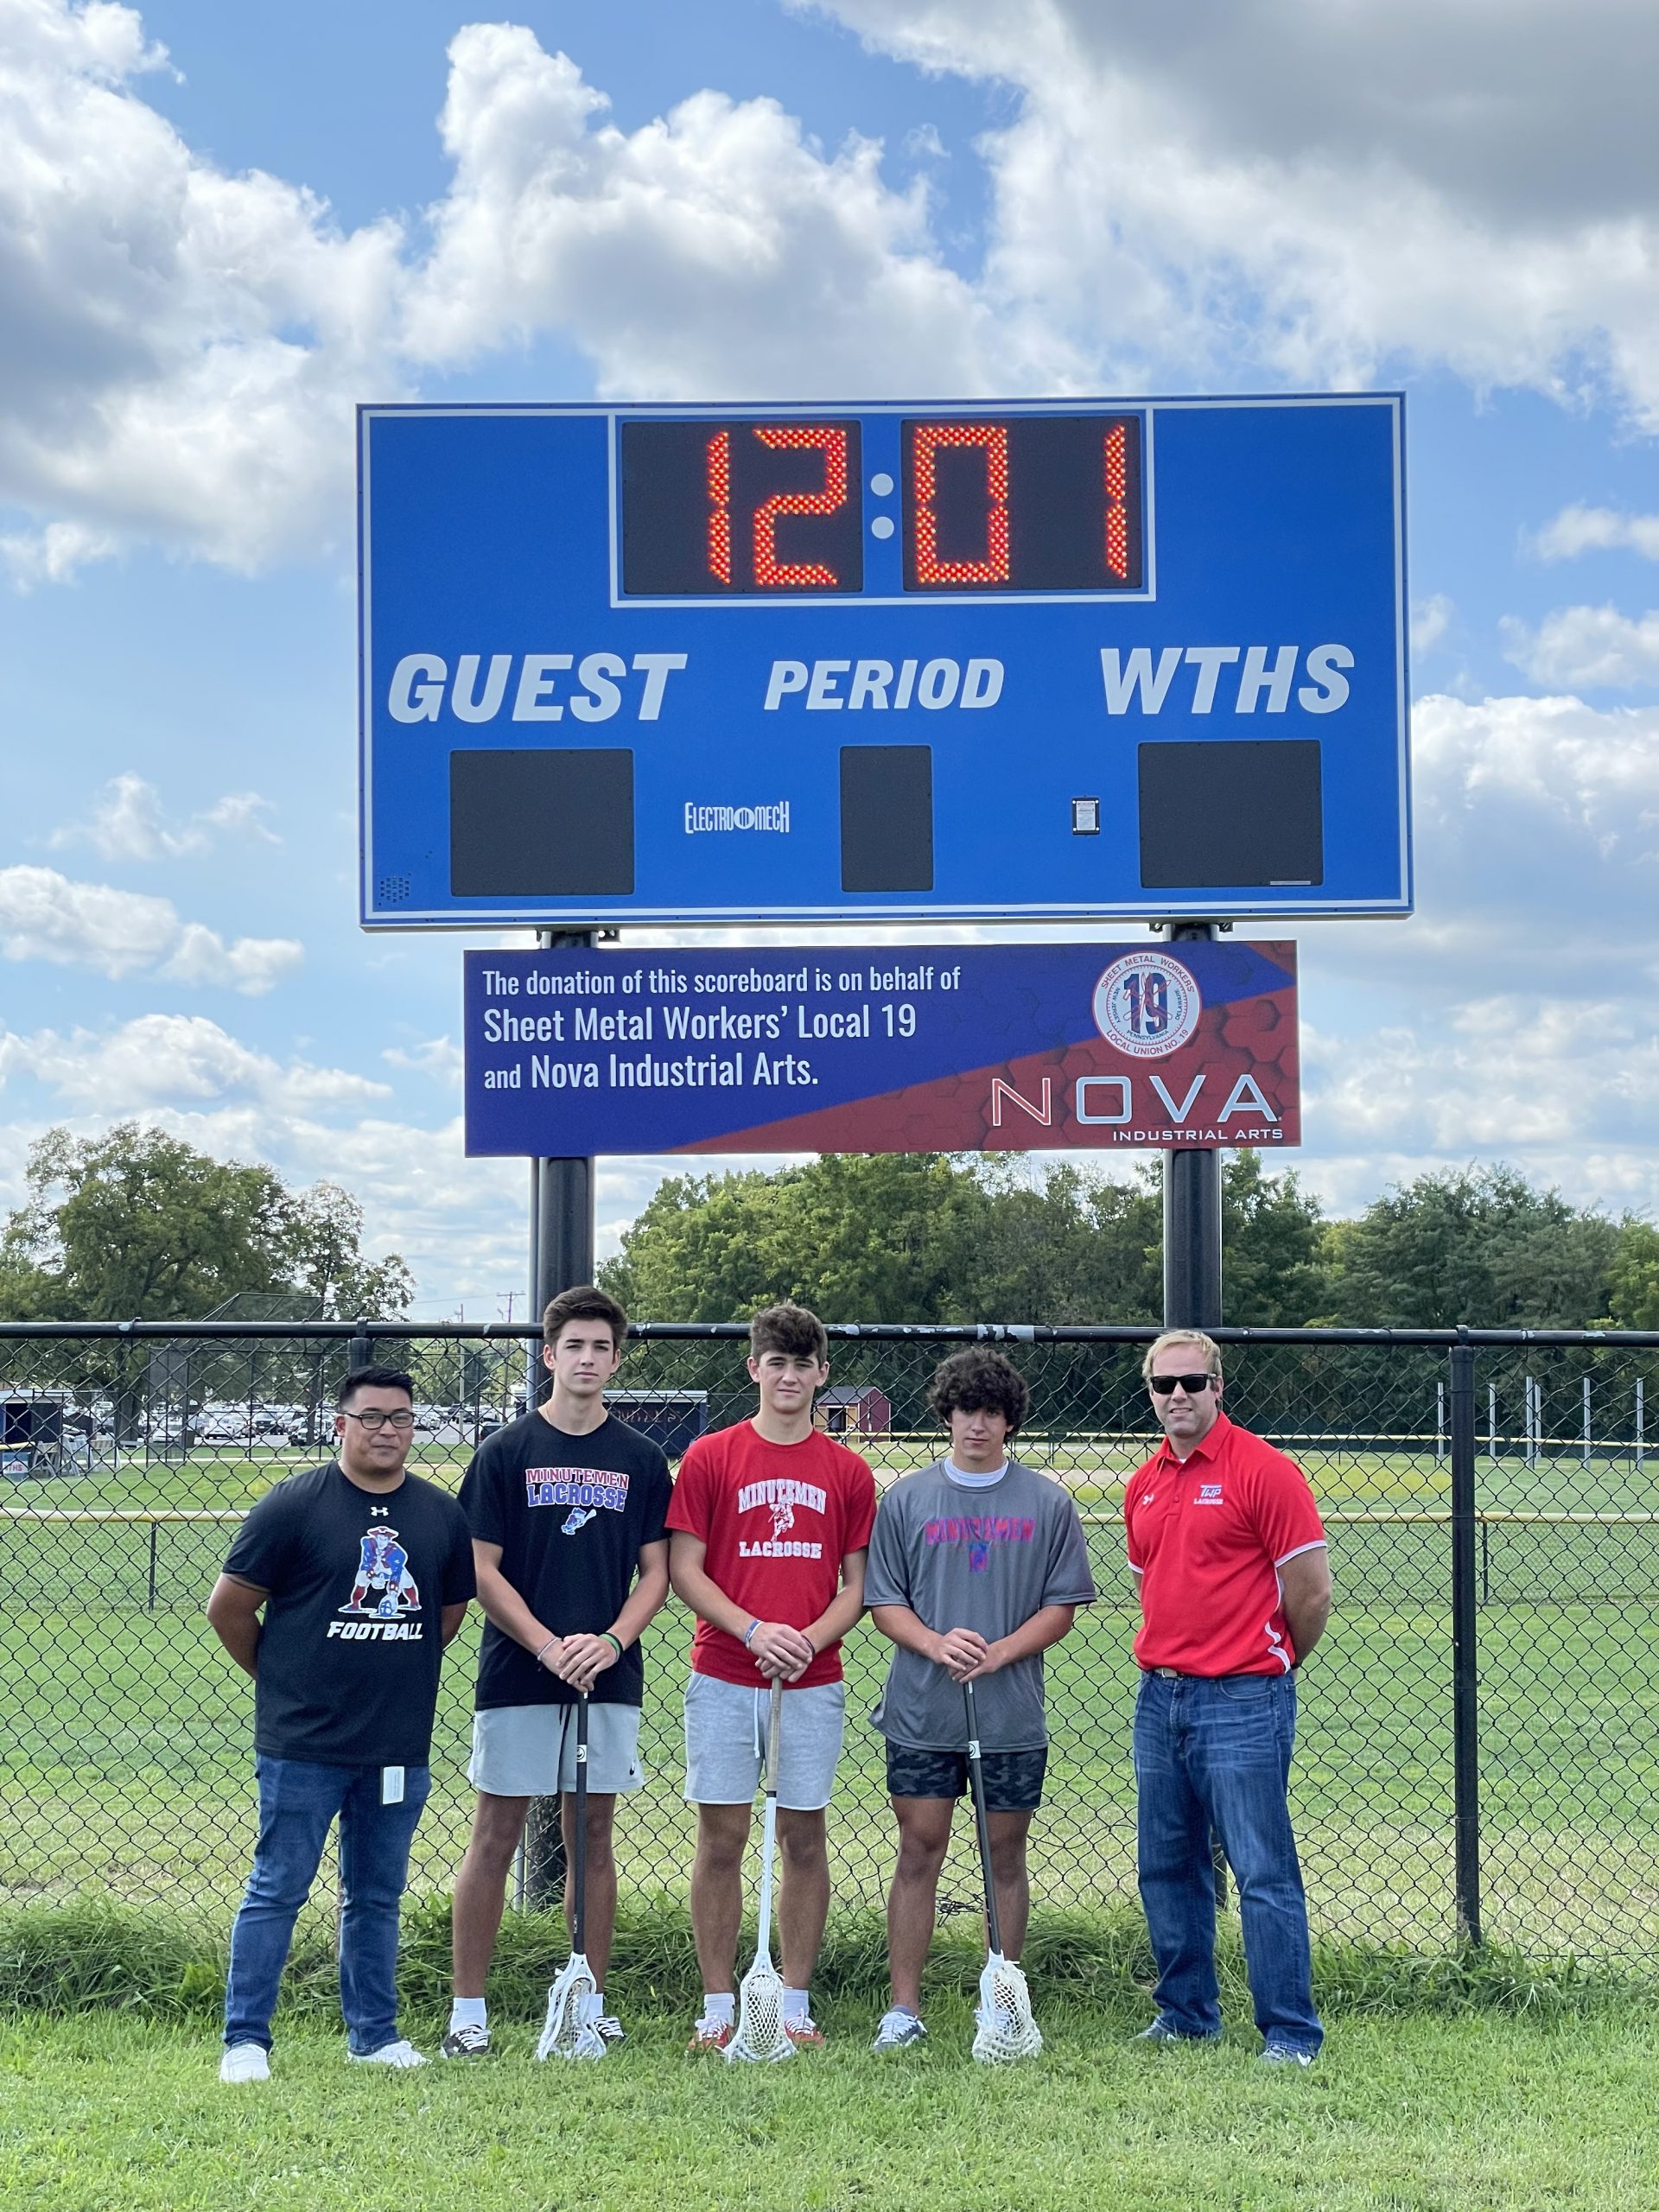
{"x": 1192, "y": 1384}
{"x": 374, "y": 1419}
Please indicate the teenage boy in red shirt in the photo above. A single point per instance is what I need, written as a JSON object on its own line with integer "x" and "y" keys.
{"x": 769, "y": 1524}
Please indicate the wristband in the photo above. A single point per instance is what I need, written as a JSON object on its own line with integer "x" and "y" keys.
{"x": 749, "y": 1632}
{"x": 545, "y": 1648}
{"x": 615, "y": 1642}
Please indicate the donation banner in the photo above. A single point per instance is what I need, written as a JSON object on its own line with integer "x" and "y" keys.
{"x": 882, "y": 1048}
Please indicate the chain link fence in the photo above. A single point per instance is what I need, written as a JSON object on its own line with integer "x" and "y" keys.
{"x": 1478, "y": 1747}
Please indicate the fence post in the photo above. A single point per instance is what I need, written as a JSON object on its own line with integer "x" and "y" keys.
{"x": 149, "y": 1601}
{"x": 1586, "y": 1420}
{"x": 1491, "y": 1422}
{"x": 362, "y": 1351}
{"x": 1465, "y": 1698}
{"x": 1638, "y": 1424}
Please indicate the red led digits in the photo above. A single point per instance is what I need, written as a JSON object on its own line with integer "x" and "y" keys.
{"x": 768, "y": 568}
{"x": 929, "y": 438}
{"x": 720, "y": 506}
{"x": 1117, "y": 501}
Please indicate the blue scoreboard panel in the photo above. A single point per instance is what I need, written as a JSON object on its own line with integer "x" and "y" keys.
{"x": 1041, "y": 660}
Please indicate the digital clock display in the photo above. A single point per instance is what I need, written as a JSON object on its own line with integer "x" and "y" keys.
{"x": 738, "y": 510}
{"x": 750, "y": 508}
{"x": 1038, "y": 503}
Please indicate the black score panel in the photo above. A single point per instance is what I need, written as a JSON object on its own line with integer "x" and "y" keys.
{"x": 549, "y": 823}
{"x": 1035, "y": 502}
{"x": 1248, "y": 814}
{"x": 887, "y": 817}
{"x": 741, "y": 510}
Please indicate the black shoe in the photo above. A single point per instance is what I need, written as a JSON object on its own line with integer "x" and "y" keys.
{"x": 470, "y": 2040}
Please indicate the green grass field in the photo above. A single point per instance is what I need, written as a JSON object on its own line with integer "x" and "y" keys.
{"x": 125, "y": 1765}
{"x": 110, "y": 2114}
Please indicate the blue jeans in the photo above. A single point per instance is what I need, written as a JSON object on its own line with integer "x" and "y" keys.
{"x": 298, "y": 1800}
{"x": 1216, "y": 1754}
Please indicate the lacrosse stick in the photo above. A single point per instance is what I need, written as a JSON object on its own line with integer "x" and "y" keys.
{"x": 760, "y": 2037}
{"x": 567, "y": 2031}
{"x": 1005, "y": 2031}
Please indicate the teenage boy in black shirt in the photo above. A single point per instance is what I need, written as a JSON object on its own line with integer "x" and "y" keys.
{"x": 364, "y": 1572}
{"x": 566, "y": 1508}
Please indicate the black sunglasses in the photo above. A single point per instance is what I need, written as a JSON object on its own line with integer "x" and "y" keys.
{"x": 1192, "y": 1384}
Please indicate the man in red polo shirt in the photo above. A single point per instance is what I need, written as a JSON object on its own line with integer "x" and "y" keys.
{"x": 1227, "y": 1546}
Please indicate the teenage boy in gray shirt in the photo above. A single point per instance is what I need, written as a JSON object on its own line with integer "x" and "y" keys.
{"x": 976, "y": 1565}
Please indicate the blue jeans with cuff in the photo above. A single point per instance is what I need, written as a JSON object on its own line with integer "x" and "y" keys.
{"x": 1216, "y": 1753}
{"x": 299, "y": 1799}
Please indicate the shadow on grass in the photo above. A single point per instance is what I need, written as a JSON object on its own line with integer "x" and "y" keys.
{"x": 89, "y": 1955}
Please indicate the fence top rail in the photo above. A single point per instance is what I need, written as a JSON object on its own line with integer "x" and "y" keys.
{"x": 1340, "y": 1516}
{"x": 1115, "y": 1333}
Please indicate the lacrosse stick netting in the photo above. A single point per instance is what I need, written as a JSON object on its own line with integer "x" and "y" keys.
{"x": 1006, "y": 2030}
{"x": 760, "y": 2037}
{"x": 569, "y": 2030}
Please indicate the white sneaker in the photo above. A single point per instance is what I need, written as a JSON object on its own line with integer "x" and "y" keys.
{"x": 245, "y": 2062}
{"x": 401, "y": 2054}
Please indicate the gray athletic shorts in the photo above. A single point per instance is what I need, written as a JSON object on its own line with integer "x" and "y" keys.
{"x": 530, "y": 1750}
{"x": 726, "y": 1727}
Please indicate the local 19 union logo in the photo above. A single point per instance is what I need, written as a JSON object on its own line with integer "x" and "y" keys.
{"x": 1147, "y": 1005}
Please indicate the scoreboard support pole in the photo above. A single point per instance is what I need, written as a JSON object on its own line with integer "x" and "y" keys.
{"x": 1191, "y": 1212}
{"x": 561, "y": 1255}
{"x": 1193, "y": 1268}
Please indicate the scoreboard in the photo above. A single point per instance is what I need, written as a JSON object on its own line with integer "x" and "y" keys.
{"x": 1041, "y": 660}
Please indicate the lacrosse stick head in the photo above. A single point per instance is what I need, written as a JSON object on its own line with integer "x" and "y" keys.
{"x": 568, "y": 2031}
{"x": 761, "y": 2039}
{"x": 1006, "y": 2031}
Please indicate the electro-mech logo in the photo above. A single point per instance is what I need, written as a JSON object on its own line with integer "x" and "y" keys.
{"x": 701, "y": 820}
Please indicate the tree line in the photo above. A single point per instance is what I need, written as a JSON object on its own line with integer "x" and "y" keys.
{"x": 138, "y": 1223}
{"x": 929, "y": 1236}
{"x": 135, "y": 1224}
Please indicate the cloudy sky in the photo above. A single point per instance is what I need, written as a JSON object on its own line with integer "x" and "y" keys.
{"x": 221, "y": 227}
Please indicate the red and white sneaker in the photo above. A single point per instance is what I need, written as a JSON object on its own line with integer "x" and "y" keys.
{"x": 805, "y": 2035}
{"x": 710, "y": 2035}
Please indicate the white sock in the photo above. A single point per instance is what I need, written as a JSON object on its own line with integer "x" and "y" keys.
{"x": 721, "y": 2008}
{"x": 469, "y": 2012}
{"x": 795, "y": 2007}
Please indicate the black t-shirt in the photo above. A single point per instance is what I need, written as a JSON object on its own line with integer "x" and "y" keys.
{"x": 352, "y": 1642}
{"x": 570, "y": 1514}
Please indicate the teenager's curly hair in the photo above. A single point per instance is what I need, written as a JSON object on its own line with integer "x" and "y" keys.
{"x": 977, "y": 1381}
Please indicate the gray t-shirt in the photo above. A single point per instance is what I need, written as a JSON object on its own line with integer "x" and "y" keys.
{"x": 985, "y": 1558}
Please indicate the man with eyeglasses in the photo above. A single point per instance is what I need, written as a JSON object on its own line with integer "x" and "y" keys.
{"x": 362, "y": 1572}
{"x": 1227, "y": 1546}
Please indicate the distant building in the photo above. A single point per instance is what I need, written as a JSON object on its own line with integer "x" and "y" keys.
{"x": 860, "y": 1410}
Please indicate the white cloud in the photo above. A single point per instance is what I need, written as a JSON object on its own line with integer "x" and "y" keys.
{"x": 441, "y": 1058}
{"x": 1596, "y": 530}
{"x": 712, "y": 250}
{"x": 1431, "y": 618}
{"x": 173, "y": 1059}
{"x": 1317, "y": 190}
{"x": 1271, "y": 190}
{"x": 129, "y": 823}
{"x": 182, "y": 346}
{"x": 54, "y": 555}
{"x": 45, "y": 916}
{"x": 1586, "y": 646}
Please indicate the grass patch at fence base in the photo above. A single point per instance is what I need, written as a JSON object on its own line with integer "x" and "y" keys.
{"x": 97, "y": 1955}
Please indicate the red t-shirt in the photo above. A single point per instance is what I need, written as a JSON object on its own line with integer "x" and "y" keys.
{"x": 1207, "y": 1535}
{"x": 775, "y": 1521}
